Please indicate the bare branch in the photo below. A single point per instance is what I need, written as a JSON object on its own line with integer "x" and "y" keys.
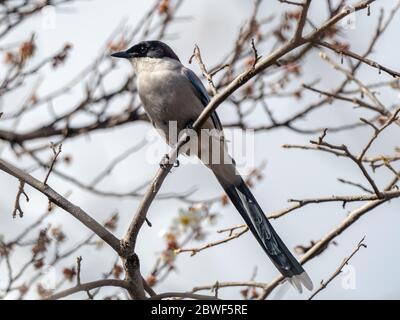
{"x": 362, "y": 59}
{"x": 302, "y": 21}
{"x": 63, "y": 203}
{"x": 17, "y": 204}
{"x": 197, "y": 55}
{"x": 232, "y": 235}
{"x": 323, "y": 285}
{"x": 56, "y": 153}
{"x": 182, "y": 295}
{"x": 90, "y": 286}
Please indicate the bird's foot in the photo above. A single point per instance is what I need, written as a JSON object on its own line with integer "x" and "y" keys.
{"x": 166, "y": 161}
{"x": 188, "y": 131}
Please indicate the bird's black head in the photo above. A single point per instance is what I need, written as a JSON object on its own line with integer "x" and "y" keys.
{"x": 150, "y": 49}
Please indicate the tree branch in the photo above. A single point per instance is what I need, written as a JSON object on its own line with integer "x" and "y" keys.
{"x": 63, "y": 203}
{"x": 90, "y": 286}
{"x": 323, "y": 285}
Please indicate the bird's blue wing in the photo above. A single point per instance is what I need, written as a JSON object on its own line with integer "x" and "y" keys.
{"x": 201, "y": 93}
{"x": 198, "y": 86}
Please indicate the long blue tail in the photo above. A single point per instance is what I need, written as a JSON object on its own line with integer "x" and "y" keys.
{"x": 249, "y": 209}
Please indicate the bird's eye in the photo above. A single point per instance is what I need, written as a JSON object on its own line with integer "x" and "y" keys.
{"x": 142, "y": 49}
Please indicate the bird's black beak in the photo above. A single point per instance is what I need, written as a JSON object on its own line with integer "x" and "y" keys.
{"x": 122, "y": 54}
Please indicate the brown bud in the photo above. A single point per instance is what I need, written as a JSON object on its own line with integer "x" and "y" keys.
{"x": 27, "y": 50}
{"x": 224, "y": 200}
{"x": 151, "y": 280}
{"x": 9, "y": 58}
{"x": 163, "y": 7}
{"x": 69, "y": 273}
{"x": 117, "y": 270}
{"x": 244, "y": 293}
{"x": 38, "y": 264}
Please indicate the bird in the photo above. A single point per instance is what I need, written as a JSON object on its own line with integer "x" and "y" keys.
{"x": 172, "y": 93}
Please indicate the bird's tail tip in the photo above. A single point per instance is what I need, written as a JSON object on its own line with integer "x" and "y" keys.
{"x": 301, "y": 279}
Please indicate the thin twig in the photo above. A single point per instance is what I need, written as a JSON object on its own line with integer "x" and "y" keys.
{"x": 17, "y": 204}
{"x": 324, "y": 284}
{"x": 56, "y": 153}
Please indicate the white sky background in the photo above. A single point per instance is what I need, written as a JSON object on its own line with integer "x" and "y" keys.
{"x": 289, "y": 173}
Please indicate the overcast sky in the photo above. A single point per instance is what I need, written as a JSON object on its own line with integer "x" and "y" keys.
{"x": 288, "y": 174}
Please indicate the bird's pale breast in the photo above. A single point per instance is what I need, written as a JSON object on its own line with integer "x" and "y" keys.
{"x": 167, "y": 96}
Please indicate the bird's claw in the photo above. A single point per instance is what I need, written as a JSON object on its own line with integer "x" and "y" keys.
{"x": 165, "y": 162}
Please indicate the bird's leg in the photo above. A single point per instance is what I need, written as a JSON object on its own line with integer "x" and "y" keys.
{"x": 188, "y": 129}
{"x": 165, "y": 162}
{"x": 188, "y": 132}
